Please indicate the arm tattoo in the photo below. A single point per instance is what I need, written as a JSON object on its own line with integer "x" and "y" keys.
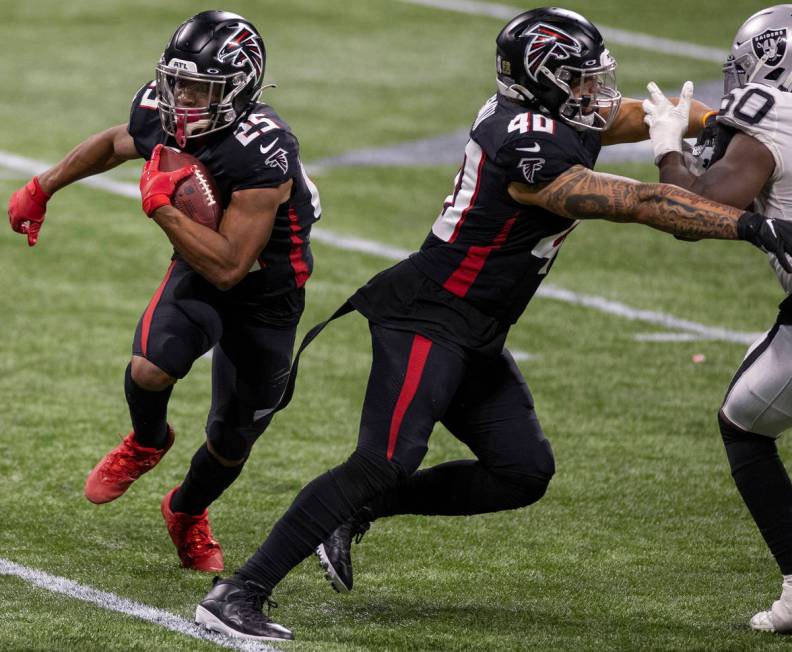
{"x": 580, "y": 193}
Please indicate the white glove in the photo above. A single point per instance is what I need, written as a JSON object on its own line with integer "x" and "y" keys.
{"x": 667, "y": 123}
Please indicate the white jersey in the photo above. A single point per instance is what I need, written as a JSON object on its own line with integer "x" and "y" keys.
{"x": 765, "y": 113}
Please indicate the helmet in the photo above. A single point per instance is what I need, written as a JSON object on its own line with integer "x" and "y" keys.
{"x": 209, "y": 74}
{"x": 761, "y": 51}
{"x": 556, "y": 60}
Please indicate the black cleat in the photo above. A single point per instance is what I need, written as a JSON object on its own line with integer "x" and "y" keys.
{"x": 334, "y": 552}
{"x": 233, "y": 607}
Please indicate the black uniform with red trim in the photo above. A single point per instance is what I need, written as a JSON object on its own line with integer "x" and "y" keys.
{"x": 438, "y": 323}
{"x": 260, "y": 151}
{"x": 486, "y": 254}
{"x": 253, "y": 324}
{"x": 474, "y": 275}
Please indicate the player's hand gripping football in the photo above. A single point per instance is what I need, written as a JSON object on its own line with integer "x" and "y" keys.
{"x": 157, "y": 186}
{"x": 667, "y": 123}
{"x": 773, "y": 236}
{"x": 27, "y": 209}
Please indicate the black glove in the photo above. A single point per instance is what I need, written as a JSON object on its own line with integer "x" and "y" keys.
{"x": 705, "y": 144}
{"x": 770, "y": 235}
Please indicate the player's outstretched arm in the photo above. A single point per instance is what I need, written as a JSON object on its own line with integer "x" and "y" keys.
{"x": 101, "y": 152}
{"x": 580, "y": 193}
{"x": 736, "y": 179}
{"x": 629, "y": 126}
{"x": 96, "y": 154}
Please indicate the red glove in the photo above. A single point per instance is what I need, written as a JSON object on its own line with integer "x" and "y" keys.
{"x": 27, "y": 208}
{"x": 157, "y": 186}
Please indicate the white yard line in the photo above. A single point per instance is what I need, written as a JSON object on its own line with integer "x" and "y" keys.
{"x": 113, "y": 602}
{"x": 611, "y": 34}
{"x": 28, "y": 166}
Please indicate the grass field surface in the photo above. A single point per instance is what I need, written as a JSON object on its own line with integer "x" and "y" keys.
{"x": 641, "y": 542}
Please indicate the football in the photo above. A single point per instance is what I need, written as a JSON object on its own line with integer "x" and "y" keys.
{"x": 197, "y": 196}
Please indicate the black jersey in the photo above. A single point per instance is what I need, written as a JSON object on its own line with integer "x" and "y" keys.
{"x": 259, "y": 151}
{"x": 485, "y": 247}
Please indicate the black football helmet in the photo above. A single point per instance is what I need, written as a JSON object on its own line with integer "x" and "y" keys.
{"x": 556, "y": 60}
{"x": 209, "y": 74}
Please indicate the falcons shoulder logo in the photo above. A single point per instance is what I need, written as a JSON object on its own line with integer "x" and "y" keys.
{"x": 278, "y": 159}
{"x": 547, "y": 42}
{"x": 243, "y": 49}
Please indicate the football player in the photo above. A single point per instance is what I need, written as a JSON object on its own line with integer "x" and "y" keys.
{"x": 239, "y": 289}
{"x": 751, "y": 163}
{"x": 439, "y": 319}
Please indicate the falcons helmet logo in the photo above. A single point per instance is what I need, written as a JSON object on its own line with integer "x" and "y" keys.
{"x": 546, "y": 42}
{"x": 243, "y": 49}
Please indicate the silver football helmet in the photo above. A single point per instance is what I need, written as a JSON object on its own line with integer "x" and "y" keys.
{"x": 761, "y": 52}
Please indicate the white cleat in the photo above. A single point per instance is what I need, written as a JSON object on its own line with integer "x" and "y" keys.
{"x": 761, "y": 622}
{"x": 778, "y": 619}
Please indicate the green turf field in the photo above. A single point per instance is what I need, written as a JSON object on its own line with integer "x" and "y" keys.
{"x": 641, "y": 542}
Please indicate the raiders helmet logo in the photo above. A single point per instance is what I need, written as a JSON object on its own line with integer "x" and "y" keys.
{"x": 243, "y": 50}
{"x": 770, "y": 45}
{"x": 547, "y": 42}
{"x": 530, "y": 166}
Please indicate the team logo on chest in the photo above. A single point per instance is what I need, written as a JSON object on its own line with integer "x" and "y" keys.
{"x": 770, "y": 45}
{"x": 530, "y": 166}
{"x": 547, "y": 42}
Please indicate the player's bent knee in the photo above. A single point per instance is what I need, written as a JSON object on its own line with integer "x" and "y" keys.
{"x": 526, "y": 479}
{"x": 227, "y": 444}
{"x": 380, "y": 473}
{"x": 235, "y": 459}
{"x": 149, "y": 376}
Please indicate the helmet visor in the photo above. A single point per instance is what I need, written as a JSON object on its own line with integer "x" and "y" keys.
{"x": 734, "y": 73}
{"x": 594, "y": 96}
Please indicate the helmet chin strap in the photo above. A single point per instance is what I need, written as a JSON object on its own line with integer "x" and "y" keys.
{"x": 181, "y": 131}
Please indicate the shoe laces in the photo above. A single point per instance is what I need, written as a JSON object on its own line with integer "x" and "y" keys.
{"x": 359, "y": 530}
{"x": 359, "y": 524}
{"x": 129, "y": 460}
{"x": 255, "y": 597}
{"x": 200, "y": 536}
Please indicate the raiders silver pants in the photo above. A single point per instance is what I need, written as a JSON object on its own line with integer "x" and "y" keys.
{"x": 759, "y": 399}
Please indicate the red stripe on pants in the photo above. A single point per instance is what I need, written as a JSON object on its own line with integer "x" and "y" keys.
{"x": 144, "y": 330}
{"x": 415, "y": 366}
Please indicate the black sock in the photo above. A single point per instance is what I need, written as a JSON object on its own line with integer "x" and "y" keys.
{"x": 149, "y": 411}
{"x": 459, "y": 488}
{"x": 764, "y": 485}
{"x": 322, "y": 505}
{"x": 205, "y": 481}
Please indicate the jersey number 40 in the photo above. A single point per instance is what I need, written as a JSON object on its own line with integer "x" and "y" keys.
{"x": 525, "y": 122}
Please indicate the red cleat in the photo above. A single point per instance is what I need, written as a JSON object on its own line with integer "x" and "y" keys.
{"x": 123, "y": 465}
{"x": 193, "y": 538}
